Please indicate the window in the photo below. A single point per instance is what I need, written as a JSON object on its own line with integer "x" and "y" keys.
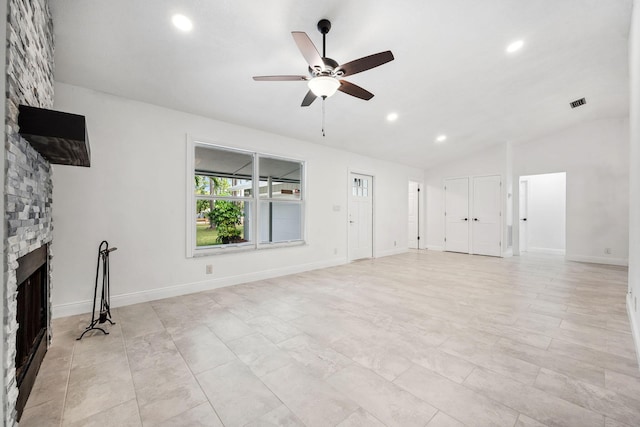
{"x": 231, "y": 188}
{"x": 280, "y": 201}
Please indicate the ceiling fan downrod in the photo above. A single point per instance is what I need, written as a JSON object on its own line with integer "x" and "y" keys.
{"x": 324, "y": 25}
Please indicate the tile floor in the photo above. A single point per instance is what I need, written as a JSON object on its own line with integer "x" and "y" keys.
{"x": 423, "y": 338}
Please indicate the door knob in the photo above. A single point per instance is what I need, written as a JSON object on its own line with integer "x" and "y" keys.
{"x": 523, "y": 219}
{"x": 466, "y": 219}
{"x": 351, "y": 222}
{"x": 475, "y": 219}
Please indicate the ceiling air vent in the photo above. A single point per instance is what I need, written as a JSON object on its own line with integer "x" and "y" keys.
{"x": 578, "y": 102}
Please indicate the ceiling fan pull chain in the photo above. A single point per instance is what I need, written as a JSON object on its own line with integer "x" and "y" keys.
{"x": 323, "y": 99}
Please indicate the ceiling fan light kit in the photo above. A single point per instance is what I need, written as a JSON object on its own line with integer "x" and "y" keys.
{"x": 324, "y": 86}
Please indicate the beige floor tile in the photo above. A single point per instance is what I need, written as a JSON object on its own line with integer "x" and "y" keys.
{"x": 361, "y": 418}
{"x": 51, "y": 382}
{"x": 317, "y": 359}
{"x": 124, "y": 415}
{"x": 201, "y": 348}
{"x": 279, "y": 417}
{"x": 524, "y": 421}
{"x": 387, "y": 361}
{"x": 571, "y": 367}
{"x": 48, "y": 413}
{"x": 168, "y": 367}
{"x": 608, "y": 422}
{"x": 539, "y": 405}
{"x": 145, "y": 351}
{"x": 139, "y": 319}
{"x": 622, "y": 384}
{"x": 201, "y": 416}
{"x": 237, "y": 395}
{"x": 386, "y": 401}
{"x": 115, "y": 369}
{"x": 88, "y": 398}
{"x": 445, "y": 364}
{"x": 468, "y": 406}
{"x": 226, "y": 325}
{"x": 160, "y": 403}
{"x": 313, "y": 401}
{"x": 443, "y": 420}
{"x": 484, "y": 355}
{"x": 273, "y": 328}
{"x": 611, "y": 361}
{"x": 597, "y": 399}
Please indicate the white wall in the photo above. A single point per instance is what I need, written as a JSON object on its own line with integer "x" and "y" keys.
{"x": 595, "y": 158}
{"x": 488, "y": 162}
{"x": 634, "y": 202}
{"x": 133, "y": 195}
{"x": 546, "y": 212}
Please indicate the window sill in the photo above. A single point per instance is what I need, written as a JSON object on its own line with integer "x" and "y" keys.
{"x": 246, "y": 247}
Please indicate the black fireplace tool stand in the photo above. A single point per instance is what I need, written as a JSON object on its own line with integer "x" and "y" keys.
{"x": 104, "y": 315}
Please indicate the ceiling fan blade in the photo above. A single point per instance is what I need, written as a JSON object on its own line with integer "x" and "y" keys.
{"x": 308, "y": 99}
{"x": 354, "y": 90}
{"x": 366, "y": 63}
{"x": 279, "y": 78}
{"x": 308, "y": 49}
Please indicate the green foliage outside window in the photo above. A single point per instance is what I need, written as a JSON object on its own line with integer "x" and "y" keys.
{"x": 227, "y": 216}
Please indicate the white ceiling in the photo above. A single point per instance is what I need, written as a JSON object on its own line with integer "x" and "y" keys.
{"x": 450, "y": 74}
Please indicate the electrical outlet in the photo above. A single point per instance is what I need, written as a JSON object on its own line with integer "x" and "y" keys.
{"x": 607, "y": 251}
{"x": 209, "y": 269}
{"x": 395, "y": 243}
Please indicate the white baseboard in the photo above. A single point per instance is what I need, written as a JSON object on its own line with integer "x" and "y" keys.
{"x": 635, "y": 332}
{"x": 507, "y": 253}
{"x": 81, "y": 307}
{"x": 598, "y": 260}
{"x": 549, "y": 251}
{"x": 435, "y": 248}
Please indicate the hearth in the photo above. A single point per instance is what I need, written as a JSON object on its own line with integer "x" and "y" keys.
{"x": 32, "y": 316}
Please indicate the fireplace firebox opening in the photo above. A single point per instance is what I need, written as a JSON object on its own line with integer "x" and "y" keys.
{"x": 32, "y": 316}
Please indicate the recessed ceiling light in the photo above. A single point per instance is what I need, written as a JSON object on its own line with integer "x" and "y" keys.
{"x": 515, "y": 46}
{"x": 182, "y": 22}
{"x": 441, "y": 138}
{"x": 392, "y": 117}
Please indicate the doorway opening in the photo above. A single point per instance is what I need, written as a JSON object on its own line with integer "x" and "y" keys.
{"x": 542, "y": 211}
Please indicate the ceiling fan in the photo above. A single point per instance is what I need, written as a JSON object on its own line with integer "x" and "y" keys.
{"x": 325, "y": 74}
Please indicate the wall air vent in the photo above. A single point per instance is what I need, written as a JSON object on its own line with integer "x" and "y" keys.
{"x": 578, "y": 102}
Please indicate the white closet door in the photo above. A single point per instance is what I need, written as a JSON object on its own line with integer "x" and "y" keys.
{"x": 486, "y": 221}
{"x": 456, "y": 202}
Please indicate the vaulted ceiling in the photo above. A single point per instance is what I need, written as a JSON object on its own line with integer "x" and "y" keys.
{"x": 451, "y": 74}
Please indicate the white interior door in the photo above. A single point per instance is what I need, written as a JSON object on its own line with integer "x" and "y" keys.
{"x": 360, "y": 217}
{"x": 486, "y": 213}
{"x": 523, "y": 212}
{"x": 413, "y": 230}
{"x": 456, "y": 202}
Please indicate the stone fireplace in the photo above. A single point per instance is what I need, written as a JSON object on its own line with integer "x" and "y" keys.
{"x": 27, "y": 191}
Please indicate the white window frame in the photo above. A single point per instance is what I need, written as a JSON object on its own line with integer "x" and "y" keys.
{"x": 192, "y": 250}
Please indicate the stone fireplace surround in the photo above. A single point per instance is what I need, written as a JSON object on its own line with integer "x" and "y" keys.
{"x": 28, "y": 185}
